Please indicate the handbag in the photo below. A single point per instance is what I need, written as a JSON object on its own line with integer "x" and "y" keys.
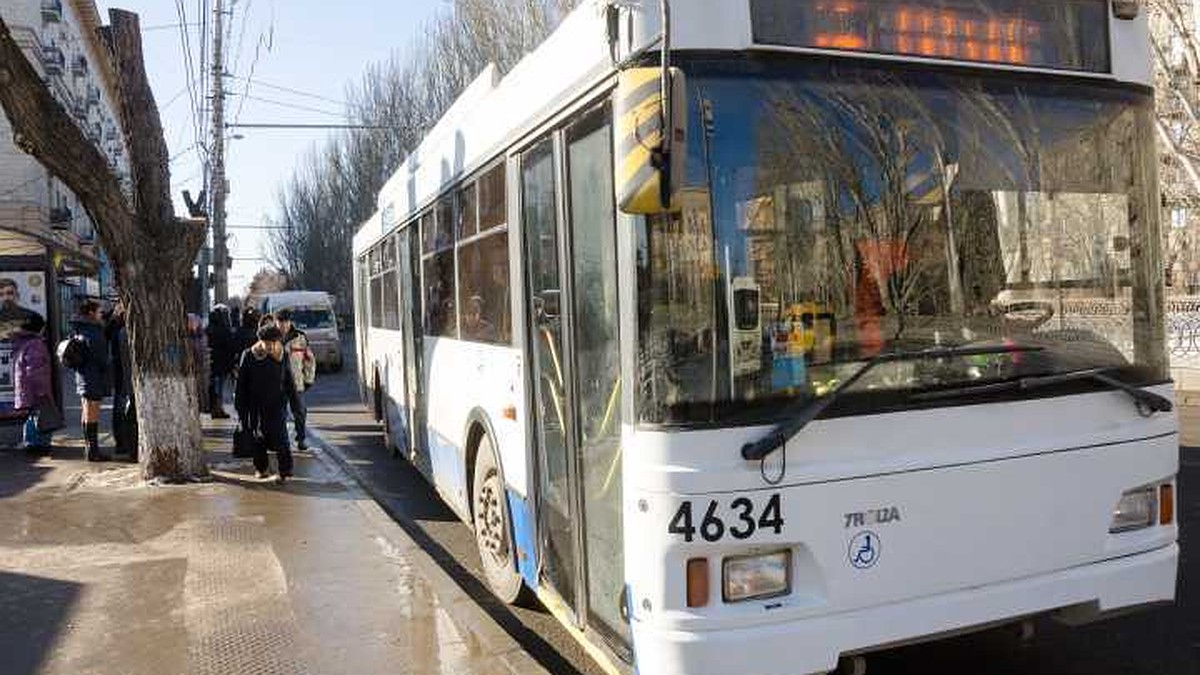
{"x": 48, "y": 418}
{"x": 246, "y": 443}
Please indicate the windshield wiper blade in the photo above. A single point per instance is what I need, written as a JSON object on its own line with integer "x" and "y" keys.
{"x": 1153, "y": 402}
{"x": 779, "y": 434}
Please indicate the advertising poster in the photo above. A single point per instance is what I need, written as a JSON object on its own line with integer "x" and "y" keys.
{"x": 21, "y": 294}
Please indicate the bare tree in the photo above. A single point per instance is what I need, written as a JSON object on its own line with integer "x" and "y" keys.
{"x": 1176, "y": 47}
{"x": 334, "y": 190}
{"x": 151, "y": 250}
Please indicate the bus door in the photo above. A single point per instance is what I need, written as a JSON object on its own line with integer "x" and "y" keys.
{"x": 571, "y": 276}
{"x": 413, "y": 347}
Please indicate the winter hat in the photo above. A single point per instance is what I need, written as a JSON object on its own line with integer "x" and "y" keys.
{"x": 270, "y": 333}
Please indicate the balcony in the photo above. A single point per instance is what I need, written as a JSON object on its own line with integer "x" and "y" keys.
{"x": 79, "y": 66}
{"x": 52, "y": 11}
{"x": 60, "y": 218}
{"x": 53, "y": 60}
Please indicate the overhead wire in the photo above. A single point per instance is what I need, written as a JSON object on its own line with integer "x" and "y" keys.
{"x": 295, "y": 106}
{"x": 189, "y": 79}
{"x": 289, "y": 90}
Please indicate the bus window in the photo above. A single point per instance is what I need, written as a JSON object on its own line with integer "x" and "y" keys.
{"x": 483, "y": 290}
{"x": 492, "y": 203}
{"x": 468, "y": 217}
{"x": 440, "y": 317}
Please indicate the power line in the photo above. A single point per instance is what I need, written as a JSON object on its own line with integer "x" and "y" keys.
{"x": 165, "y": 26}
{"x": 252, "y": 125}
{"x": 172, "y": 100}
{"x": 289, "y": 90}
{"x": 17, "y": 188}
{"x": 294, "y": 106}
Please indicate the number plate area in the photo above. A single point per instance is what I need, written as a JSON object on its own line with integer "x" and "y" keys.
{"x": 882, "y": 539}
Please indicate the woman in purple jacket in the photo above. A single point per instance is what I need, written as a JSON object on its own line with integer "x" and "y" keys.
{"x": 32, "y": 378}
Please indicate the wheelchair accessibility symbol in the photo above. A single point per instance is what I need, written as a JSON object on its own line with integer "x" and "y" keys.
{"x": 864, "y": 550}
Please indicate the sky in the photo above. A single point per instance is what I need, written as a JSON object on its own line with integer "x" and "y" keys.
{"x": 313, "y": 47}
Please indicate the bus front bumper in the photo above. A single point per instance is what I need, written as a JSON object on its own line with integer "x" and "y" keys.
{"x": 814, "y": 645}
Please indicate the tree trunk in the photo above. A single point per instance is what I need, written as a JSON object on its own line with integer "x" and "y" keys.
{"x": 151, "y": 251}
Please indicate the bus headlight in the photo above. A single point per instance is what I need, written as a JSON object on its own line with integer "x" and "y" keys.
{"x": 753, "y": 577}
{"x": 1137, "y": 509}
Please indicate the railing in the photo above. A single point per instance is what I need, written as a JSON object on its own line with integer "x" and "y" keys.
{"x": 60, "y": 218}
{"x": 53, "y": 60}
{"x": 52, "y": 11}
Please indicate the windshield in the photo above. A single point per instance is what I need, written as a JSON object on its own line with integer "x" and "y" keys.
{"x": 834, "y": 211}
{"x": 309, "y": 318}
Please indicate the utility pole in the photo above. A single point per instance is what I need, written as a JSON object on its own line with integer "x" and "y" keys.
{"x": 217, "y": 176}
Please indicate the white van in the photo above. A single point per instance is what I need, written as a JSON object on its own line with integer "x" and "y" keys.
{"x": 312, "y": 312}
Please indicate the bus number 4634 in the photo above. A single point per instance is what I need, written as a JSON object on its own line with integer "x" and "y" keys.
{"x": 740, "y": 524}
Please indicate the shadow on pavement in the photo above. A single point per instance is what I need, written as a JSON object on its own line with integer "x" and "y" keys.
{"x": 19, "y": 472}
{"x": 33, "y": 611}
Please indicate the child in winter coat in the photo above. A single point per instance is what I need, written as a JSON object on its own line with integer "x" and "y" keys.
{"x": 33, "y": 382}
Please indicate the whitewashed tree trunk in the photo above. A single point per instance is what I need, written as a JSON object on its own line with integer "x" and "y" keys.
{"x": 151, "y": 250}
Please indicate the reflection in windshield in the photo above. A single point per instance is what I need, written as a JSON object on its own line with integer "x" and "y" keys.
{"x": 308, "y": 318}
{"x": 836, "y": 211}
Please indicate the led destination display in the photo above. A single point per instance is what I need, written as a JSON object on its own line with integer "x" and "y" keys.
{"x": 1036, "y": 33}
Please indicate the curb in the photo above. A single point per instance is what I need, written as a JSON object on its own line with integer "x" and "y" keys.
{"x": 395, "y": 542}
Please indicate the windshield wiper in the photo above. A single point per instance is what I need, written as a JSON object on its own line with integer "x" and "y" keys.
{"x": 813, "y": 409}
{"x": 1152, "y": 401}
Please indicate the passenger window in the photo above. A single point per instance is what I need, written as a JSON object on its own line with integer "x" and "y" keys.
{"x": 428, "y": 233}
{"x": 440, "y": 316}
{"x": 468, "y": 218}
{"x": 445, "y": 224}
{"x": 483, "y": 290}
{"x": 492, "y": 202}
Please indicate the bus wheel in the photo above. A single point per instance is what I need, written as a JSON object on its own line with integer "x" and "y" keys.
{"x": 493, "y": 535}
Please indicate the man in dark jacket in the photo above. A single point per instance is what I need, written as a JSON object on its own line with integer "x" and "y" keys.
{"x": 223, "y": 353}
{"x": 92, "y": 378}
{"x": 264, "y": 391}
{"x": 124, "y": 411}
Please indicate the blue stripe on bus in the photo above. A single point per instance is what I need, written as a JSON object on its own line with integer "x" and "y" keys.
{"x": 522, "y": 521}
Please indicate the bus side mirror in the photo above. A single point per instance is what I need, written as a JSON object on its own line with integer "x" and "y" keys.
{"x": 649, "y": 175}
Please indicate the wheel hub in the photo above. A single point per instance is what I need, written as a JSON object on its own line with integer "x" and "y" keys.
{"x": 489, "y": 521}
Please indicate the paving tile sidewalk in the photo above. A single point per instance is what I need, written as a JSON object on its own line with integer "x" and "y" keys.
{"x": 101, "y": 575}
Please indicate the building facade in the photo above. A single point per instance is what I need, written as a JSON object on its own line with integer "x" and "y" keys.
{"x": 39, "y": 215}
{"x": 50, "y": 257}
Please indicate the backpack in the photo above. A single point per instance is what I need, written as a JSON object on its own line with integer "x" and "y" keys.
{"x": 73, "y": 352}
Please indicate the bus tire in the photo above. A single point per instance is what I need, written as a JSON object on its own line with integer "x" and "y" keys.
{"x": 493, "y": 529}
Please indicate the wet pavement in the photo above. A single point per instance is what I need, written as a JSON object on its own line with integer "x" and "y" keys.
{"x": 99, "y": 574}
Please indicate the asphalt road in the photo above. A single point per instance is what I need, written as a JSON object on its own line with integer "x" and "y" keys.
{"x": 1160, "y": 641}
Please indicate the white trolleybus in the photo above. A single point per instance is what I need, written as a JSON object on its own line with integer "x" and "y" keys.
{"x": 841, "y": 329}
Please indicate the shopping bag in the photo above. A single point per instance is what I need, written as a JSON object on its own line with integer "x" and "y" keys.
{"x": 49, "y": 418}
{"x": 245, "y": 442}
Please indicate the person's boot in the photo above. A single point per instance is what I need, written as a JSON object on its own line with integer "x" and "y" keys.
{"x": 91, "y": 436}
